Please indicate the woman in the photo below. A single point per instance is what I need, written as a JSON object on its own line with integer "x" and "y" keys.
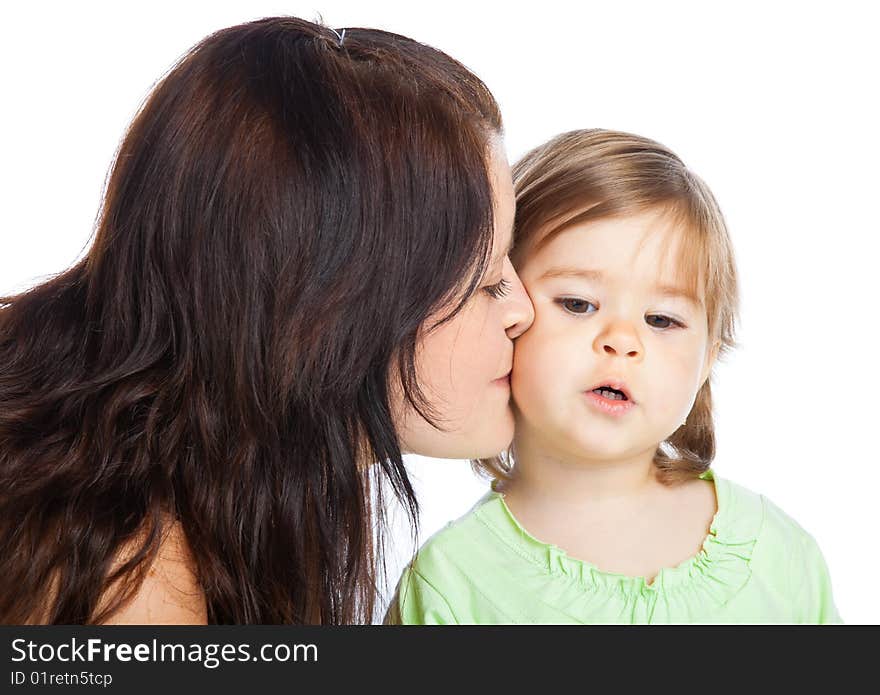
{"x": 299, "y": 274}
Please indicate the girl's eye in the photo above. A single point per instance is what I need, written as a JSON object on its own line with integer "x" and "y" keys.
{"x": 577, "y": 306}
{"x": 661, "y": 321}
{"x": 498, "y": 290}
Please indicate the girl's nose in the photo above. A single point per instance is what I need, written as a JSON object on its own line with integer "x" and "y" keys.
{"x": 621, "y": 339}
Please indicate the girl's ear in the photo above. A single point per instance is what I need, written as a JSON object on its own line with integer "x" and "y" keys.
{"x": 711, "y": 355}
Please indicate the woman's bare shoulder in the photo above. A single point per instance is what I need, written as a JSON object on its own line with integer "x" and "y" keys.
{"x": 170, "y": 593}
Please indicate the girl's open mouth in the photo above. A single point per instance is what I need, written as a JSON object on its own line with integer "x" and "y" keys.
{"x": 610, "y": 401}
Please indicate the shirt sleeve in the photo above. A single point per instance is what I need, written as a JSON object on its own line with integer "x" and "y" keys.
{"x": 814, "y": 603}
{"x": 418, "y": 603}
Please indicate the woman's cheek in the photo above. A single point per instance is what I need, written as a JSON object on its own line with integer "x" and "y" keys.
{"x": 486, "y": 347}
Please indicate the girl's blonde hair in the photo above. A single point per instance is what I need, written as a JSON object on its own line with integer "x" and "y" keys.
{"x": 588, "y": 175}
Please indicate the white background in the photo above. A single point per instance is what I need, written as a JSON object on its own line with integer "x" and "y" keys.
{"x": 772, "y": 104}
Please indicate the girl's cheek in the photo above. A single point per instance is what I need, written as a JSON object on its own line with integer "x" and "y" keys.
{"x": 680, "y": 370}
{"x": 532, "y": 380}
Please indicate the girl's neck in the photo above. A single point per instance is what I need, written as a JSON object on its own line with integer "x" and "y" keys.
{"x": 546, "y": 474}
{"x": 611, "y": 512}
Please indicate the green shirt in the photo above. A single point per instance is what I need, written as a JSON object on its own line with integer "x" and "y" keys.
{"x": 757, "y": 565}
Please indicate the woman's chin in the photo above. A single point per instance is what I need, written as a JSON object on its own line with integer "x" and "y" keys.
{"x": 483, "y": 439}
{"x": 494, "y": 441}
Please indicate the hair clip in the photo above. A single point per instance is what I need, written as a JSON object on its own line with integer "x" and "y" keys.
{"x": 341, "y": 36}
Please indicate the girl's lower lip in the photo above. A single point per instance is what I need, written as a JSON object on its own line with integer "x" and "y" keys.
{"x": 609, "y": 406}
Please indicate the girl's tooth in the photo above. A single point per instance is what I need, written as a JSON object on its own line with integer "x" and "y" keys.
{"x": 609, "y": 394}
{"x": 612, "y": 395}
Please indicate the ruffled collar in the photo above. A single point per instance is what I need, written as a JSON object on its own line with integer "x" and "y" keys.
{"x": 717, "y": 572}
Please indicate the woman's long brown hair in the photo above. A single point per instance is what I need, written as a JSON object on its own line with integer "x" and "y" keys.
{"x": 283, "y": 215}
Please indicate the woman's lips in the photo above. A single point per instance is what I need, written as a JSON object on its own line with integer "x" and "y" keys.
{"x": 504, "y": 381}
{"x": 615, "y": 408}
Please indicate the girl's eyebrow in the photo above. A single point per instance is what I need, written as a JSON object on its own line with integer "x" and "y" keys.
{"x": 680, "y": 292}
{"x": 597, "y": 276}
{"x": 562, "y": 272}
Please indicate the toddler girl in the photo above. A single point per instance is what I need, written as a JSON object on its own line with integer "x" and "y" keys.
{"x": 604, "y": 509}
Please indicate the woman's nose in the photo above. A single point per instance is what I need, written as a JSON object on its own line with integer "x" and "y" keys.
{"x": 519, "y": 310}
